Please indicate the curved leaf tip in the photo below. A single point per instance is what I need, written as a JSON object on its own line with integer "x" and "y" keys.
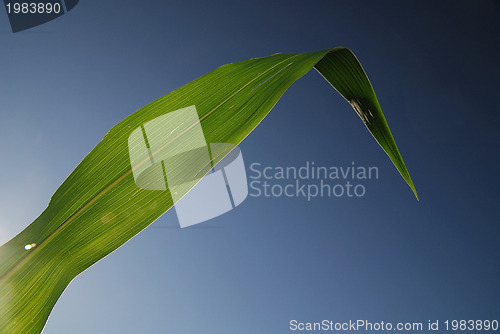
{"x": 344, "y": 72}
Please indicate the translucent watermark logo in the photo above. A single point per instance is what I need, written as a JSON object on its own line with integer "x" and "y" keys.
{"x": 26, "y": 14}
{"x": 310, "y": 181}
{"x": 204, "y": 180}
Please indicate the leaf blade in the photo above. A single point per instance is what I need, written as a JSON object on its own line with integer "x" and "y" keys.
{"x": 99, "y": 207}
{"x": 362, "y": 98}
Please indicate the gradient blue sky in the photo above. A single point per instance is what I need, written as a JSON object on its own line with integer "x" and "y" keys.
{"x": 434, "y": 66}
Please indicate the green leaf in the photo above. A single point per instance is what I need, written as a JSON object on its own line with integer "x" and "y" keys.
{"x": 344, "y": 72}
{"x": 99, "y": 206}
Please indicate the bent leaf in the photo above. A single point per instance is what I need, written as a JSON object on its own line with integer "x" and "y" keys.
{"x": 99, "y": 206}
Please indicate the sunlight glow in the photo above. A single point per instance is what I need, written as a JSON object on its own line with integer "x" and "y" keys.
{"x": 29, "y": 246}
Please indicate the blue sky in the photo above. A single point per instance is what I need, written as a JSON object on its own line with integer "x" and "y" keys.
{"x": 382, "y": 257}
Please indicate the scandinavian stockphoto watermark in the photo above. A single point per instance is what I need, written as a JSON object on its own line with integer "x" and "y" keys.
{"x": 170, "y": 153}
{"x": 205, "y": 180}
{"x": 26, "y": 14}
{"x": 310, "y": 180}
{"x": 366, "y": 326}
